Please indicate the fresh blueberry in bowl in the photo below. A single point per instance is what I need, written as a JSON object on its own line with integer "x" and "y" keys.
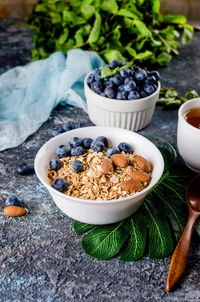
{"x": 97, "y": 146}
{"x": 77, "y": 166}
{"x": 140, "y": 75}
{"x": 90, "y": 79}
{"x": 59, "y": 184}
{"x": 130, "y": 86}
{"x": 154, "y": 73}
{"x": 149, "y": 89}
{"x": 55, "y": 164}
{"x": 112, "y": 150}
{"x": 87, "y": 142}
{"x": 75, "y": 142}
{"x": 122, "y": 95}
{"x": 124, "y": 72}
{"x": 62, "y": 151}
{"x": 97, "y": 87}
{"x": 133, "y": 95}
{"x": 103, "y": 139}
{"x": 125, "y": 147}
{"x": 110, "y": 92}
{"x": 77, "y": 151}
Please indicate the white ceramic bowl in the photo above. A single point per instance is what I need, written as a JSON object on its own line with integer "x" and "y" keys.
{"x": 188, "y": 137}
{"x": 131, "y": 115}
{"x": 98, "y": 211}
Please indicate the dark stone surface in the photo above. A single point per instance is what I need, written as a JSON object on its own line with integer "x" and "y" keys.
{"x": 41, "y": 258}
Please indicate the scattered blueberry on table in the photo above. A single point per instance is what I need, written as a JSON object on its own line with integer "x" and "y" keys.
{"x": 66, "y": 127}
{"x": 13, "y": 200}
{"x": 127, "y": 84}
{"x": 59, "y": 184}
{"x": 77, "y": 165}
{"x": 24, "y": 169}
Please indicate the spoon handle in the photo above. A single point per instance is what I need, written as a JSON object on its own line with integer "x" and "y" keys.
{"x": 180, "y": 255}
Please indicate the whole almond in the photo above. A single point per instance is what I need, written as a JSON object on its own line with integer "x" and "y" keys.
{"x": 107, "y": 166}
{"x": 142, "y": 163}
{"x": 15, "y": 211}
{"x": 139, "y": 175}
{"x": 119, "y": 160}
{"x": 131, "y": 185}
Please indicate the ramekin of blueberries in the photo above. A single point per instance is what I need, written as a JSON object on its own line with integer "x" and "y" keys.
{"x": 122, "y": 95}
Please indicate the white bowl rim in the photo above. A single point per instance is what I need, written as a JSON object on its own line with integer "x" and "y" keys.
{"x": 120, "y": 101}
{"x": 180, "y": 114}
{"x": 50, "y": 188}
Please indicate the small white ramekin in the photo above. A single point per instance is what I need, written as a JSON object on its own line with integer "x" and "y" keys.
{"x": 188, "y": 137}
{"x": 131, "y": 115}
{"x": 99, "y": 211}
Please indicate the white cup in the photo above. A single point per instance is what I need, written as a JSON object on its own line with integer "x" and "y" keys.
{"x": 188, "y": 137}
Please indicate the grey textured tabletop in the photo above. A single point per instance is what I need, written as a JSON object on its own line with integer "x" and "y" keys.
{"x": 41, "y": 258}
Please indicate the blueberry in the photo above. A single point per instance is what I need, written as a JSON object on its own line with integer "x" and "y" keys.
{"x": 77, "y": 151}
{"x": 127, "y": 80}
{"x": 97, "y": 75}
{"x": 78, "y": 125}
{"x": 68, "y": 126}
{"x": 121, "y": 88}
{"x": 125, "y": 147}
{"x": 143, "y": 94}
{"x": 140, "y": 75}
{"x": 135, "y": 68}
{"x": 155, "y": 74}
{"x": 122, "y": 95}
{"x": 90, "y": 78}
{"x": 97, "y": 87}
{"x": 23, "y": 169}
{"x": 110, "y": 84}
{"x": 133, "y": 95}
{"x": 117, "y": 79}
{"x": 150, "y": 80}
{"x": 124, "y": 72}
{"x": 97, "y": 146}
{"x": 102, "y": 94}
{"x": 114, "y": 64}
{"x": 55, "y": 164}
{"x": 102, "y": 139}
{"x": 130, "y": 86}
{"x": 77, "y": 165}
{"x": 111, "y": 151}
{"x": 110, "y": 93}
{"x": 59, "y": 184}
{"x": 12, "y": 200}
{"x": 57, "y": 130}
{"x": 130, "y": 73}
{"x": 87, "y": 142}
{"x": 149, "y": 89}
{"x": 75, "y": 142}
{"x": 105, "y": 80}
{"x": 62, "y": 151}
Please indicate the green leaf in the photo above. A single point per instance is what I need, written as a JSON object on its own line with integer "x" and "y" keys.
{"x": 109, "y": 6}
{"x": 160, "y": 239}
{"x": 94, "y": 35}
{"x": 104, "y": 242}
{"x": 127, "y": 13}
{"x": 155, "y": 6}
{"x": 176, "y": 19}
{"x": 164, "y": 58}
{"x": 143, "y": 55}
{"x": 191, "y": 94}
{"x": 113, "y": 54}
{"x": 87, "y": 10}
{"x": 80, "y": 227}
{"x": 137, "y": 241}
{"x": 41, "y": 8}
{"x": 63, "y": 37}
{"x": 108, "y": 72}
{"x": 78, "y": 37}
{"x": 187, "y": 34}
{"x": 142, "y": 28}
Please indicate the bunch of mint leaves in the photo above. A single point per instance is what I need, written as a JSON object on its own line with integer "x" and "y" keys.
{"x": 116, "y": 29}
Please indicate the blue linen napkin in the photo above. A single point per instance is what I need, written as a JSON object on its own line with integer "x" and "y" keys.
{"x": 29, "y": 93}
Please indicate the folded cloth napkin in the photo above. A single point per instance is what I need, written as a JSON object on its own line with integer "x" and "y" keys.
{"x": 29, "y": 93}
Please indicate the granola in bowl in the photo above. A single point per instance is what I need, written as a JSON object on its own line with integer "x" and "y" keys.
{"x": 98, "y": 172}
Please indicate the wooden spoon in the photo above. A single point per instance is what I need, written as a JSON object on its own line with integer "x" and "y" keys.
{"x": 180, "y": 255}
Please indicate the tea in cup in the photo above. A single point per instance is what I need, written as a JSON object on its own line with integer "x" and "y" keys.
{"x": 188, "y": 134}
